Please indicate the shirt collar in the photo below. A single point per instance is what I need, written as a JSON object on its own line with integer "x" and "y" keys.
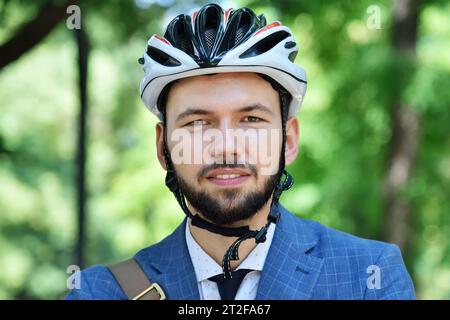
{"x": 205, "y": 266}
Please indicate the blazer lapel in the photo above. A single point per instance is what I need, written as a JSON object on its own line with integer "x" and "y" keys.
{"x": 168, "y": 263}
{"x": 290, "y": 271}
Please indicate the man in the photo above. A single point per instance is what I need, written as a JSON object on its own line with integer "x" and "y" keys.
{"x": 224, "y": 85}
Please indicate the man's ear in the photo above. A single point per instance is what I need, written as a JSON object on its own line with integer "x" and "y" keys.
{"x": 160, "y": 144}
{"x": 292, "y": 135}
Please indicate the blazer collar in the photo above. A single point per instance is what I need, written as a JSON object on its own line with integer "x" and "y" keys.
{"x": 290, "y": 270}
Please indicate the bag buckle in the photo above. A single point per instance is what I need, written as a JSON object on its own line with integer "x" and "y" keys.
{"x": 157, "y": 288}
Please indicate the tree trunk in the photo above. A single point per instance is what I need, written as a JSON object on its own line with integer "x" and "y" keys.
{"x": 405, "y": 133}
{"x": 80, "y": 161}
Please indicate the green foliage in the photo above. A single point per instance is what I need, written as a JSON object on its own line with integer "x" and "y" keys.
{"x": 354, "y": 80}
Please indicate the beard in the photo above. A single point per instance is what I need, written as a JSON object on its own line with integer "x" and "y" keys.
{"x": 232, "y": 205}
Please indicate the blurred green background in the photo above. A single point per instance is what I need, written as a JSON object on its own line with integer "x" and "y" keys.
{"x": 374, "y": 133}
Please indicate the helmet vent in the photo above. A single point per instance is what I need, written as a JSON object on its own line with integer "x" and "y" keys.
{"x": 244, "y": 23}
{"x": 162, "y": 57}
{"x": 265, "y": 44}
{"x": 210, "y": 22}
{"x": 177, "y": 33}
{"x": 210, "y": 37}
{"x": 239, "y": 35}
{"x": 292, "y": 55}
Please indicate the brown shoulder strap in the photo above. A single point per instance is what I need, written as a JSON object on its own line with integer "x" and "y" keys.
{"x": 134, "y": 281}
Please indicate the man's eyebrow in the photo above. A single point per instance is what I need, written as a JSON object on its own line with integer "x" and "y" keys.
{"x": 198, "y": 111}
{"x": 192, "y": 111}
{"x": 257, "y": 107}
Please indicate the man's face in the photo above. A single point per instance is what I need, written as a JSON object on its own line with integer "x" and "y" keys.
{"x": 224, "y": 137}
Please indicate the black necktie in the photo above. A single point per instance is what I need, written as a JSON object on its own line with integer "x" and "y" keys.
{"x": 229, "y": 287}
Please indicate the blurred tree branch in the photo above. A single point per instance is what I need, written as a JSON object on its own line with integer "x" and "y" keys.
{"x": 34, "y": 31}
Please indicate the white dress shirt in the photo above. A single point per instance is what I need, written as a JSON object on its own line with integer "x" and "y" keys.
{"x": 205, "y": 267}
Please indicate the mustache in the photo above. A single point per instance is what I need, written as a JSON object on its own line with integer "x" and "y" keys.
{"x": 204, "y": 170}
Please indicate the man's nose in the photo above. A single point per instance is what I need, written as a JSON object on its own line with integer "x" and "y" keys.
{"x": 227, "y": 149}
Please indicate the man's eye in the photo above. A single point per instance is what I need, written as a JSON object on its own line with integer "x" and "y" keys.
{"x": 252, "y": 119}
{"x": 196, "y": 123}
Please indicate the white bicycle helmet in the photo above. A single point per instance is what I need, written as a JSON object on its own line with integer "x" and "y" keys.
{"x": 214, "y": 41}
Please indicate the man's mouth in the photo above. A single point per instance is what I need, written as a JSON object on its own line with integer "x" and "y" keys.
{"x": 228, "y": 176}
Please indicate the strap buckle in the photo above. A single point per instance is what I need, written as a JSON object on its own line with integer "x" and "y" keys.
{"x": 157, "y": 288}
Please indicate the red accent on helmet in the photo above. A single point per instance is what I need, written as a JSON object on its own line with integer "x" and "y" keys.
{"x": 162, "y": 39}
{"x": 273, "y": 24}
{"x": 227, "y": 14}
{"x": 194, "y": 15}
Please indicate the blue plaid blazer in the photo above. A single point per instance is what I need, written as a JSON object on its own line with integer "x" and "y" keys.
{"x": 306, "y": 260}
